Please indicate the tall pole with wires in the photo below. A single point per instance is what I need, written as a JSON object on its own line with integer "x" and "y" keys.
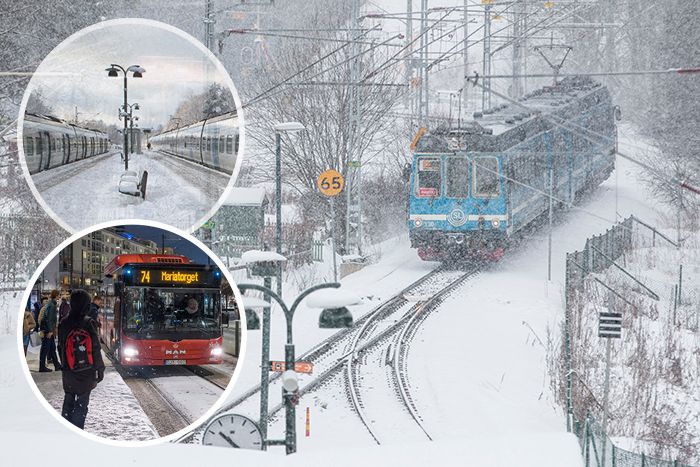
{"x": 423, "y": 90}
{"x": 353, "y": 208}
{"x": 209, "y": 25}
{"x": 486, "y": 94}
{"x": 463, "y": 95}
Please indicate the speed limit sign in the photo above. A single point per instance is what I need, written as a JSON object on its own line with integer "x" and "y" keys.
{"x": 330, "y": 182}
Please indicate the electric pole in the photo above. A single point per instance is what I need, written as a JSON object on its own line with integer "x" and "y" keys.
{"x": 485, "y": 94}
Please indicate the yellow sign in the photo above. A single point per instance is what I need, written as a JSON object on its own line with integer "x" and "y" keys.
{"x": 185, "y": 277}
{"x": 330, "y": 182}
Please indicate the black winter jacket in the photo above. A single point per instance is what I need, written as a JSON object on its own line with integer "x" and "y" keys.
{"x": 80, "y": 382}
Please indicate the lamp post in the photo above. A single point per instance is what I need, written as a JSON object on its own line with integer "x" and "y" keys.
{"x": 286, "y": 127}
{"x": 113, "y": 72}
{"x": 330, "y": 318}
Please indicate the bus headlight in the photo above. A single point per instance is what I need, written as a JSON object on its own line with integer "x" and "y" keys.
{"x": 495, "y": 223}
{"x": 130, "y": 352}
{"x": 217, "y": 352}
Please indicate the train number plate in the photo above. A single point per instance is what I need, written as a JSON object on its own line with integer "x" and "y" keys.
{"x": 176, "y": 362}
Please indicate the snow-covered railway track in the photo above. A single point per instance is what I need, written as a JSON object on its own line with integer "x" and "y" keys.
{"x": 383, "y": 355}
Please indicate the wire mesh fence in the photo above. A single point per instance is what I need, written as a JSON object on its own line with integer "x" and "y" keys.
{"x": 600, "y": 451}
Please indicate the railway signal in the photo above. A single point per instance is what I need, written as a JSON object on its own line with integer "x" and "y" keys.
{"x": 610, "y": 325}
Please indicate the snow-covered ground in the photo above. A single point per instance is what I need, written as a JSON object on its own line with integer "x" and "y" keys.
{"x": 84, "y": 193}
{"x": 476, "y": 368}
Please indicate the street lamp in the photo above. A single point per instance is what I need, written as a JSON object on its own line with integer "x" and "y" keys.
{"x": 285, "y": 127}
{"x": 289, "y": 380}
{"x": 113, "y": 72}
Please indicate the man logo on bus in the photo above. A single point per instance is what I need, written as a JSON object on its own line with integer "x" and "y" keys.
{"x": 177, "y": 276}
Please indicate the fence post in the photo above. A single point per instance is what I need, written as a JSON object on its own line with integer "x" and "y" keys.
{"x": 614, "y": 455}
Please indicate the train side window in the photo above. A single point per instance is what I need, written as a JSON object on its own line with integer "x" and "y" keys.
{"x": 39, "y": 145}
{"x": 208, "y": 140}
{"x": 236, "y": 143}
{"x": 229, "y": 144}
{"x": 457, "y": 177}
{"x": 28, "y": 146}
{"x": 485, "y": 178}
{"x": 428, "y": 177}
{"x": 221, "y": 144}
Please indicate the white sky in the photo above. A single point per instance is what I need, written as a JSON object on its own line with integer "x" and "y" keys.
{"x": 175, "y": 69}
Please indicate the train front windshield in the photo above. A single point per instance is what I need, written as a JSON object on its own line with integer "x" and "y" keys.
{"x": 159, "y": 313}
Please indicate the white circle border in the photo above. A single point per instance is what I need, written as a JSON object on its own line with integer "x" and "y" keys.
{"x": 166, "y": 27}
{"x": 199, "y": 422}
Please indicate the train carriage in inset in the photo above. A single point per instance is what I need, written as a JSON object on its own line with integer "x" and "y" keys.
{"x": 472, "y": 189}
{"x": 49, "y": 142}
{"x": 213, "y": 142}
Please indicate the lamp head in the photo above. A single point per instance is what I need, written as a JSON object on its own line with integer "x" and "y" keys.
{"x": 137, "y": 71}
{"x": 112, "y": 72}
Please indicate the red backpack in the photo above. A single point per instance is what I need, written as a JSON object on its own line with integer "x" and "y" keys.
{"x": 79, "y": 350}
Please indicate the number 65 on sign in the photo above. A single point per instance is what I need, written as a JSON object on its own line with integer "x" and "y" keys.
{"x": 330, "y": 182}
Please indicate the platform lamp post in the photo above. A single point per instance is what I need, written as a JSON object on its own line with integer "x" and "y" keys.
{"x": 113, "y": 72}
{"x": 331, "y": 318}
{"x": 285, "y": 127}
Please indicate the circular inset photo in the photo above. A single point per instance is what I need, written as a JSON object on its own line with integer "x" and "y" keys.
{"x": 132, "y": 332}
{"x": 130, "y": 118}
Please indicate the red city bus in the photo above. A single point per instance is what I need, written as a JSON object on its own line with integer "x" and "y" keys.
{"x": 162, "y": 310}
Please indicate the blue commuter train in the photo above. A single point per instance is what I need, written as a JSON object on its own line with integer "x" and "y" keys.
{"x": 472, "y": 189}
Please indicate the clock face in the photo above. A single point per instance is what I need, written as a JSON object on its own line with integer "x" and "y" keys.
{"x": 233, "y": 431}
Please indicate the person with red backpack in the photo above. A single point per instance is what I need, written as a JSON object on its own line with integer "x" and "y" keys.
{"x": 81, "y": 355}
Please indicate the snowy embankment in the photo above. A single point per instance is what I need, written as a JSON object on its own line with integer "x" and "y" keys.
{"x": 655, "y": 366}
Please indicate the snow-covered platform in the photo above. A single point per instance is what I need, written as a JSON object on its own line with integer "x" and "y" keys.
{"x": 114, "y": 412}
{"x": 84, "y": 193}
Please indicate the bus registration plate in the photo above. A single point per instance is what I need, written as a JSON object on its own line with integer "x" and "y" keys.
{"x": 176, "y": 362}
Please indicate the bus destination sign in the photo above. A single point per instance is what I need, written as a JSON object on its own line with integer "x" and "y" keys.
{"x": 156, "y": 277}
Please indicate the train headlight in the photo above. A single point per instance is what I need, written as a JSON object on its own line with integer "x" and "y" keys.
{"x": 418, "y": 222}
{"x": 495, "y": 223}
{"x": 217, "y": 352}
{"x": 130, "y": 352}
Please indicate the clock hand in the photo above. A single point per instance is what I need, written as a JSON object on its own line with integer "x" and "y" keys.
{"x": 228, "y": 440}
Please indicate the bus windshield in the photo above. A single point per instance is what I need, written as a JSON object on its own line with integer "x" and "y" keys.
{"x": 151, "y": 312}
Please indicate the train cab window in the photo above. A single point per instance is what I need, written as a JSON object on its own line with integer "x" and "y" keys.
{"x": 428, "y": 177}
{"x": 457, "y": 177}
{"x": 28, "y": 145}
{"x": 485, "y": 177}
{"x": 229, "y": 144}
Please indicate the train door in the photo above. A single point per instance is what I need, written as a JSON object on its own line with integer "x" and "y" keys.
{"x": 66, "y": 148}
{"x": 31, "y": 155}
{"x": 46, "y": 148}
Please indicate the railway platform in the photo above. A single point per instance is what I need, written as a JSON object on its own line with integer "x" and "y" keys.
{"x": 114, "y": 412}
